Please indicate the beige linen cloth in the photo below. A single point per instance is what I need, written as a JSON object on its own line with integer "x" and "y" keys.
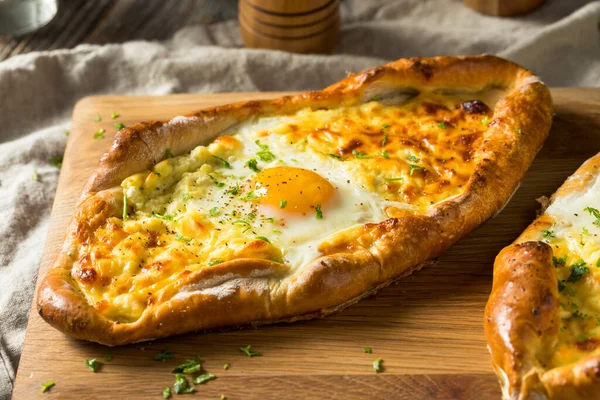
{"x": 560, "y": 42}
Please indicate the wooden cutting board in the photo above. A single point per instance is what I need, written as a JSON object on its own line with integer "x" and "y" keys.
{"x": 428, "y": 328}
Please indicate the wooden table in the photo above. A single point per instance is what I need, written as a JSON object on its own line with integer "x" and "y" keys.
{"x": 428, "y": 327}
{"x": 116, "y": 21}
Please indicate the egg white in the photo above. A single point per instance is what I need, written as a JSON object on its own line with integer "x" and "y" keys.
{"x": 576, "y": 225}
{"x": 298, "y": 237}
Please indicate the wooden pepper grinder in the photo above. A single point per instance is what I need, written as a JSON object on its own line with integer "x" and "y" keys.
{"x": 298, "y": 26}
{"x": 504, "y": 8}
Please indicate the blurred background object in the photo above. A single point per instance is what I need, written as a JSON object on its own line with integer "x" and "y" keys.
{"x": 114, "y": 21}
{"x": 365, "y": 27}
{"x": 298, "y": 26}
{"x": 504, "y": 8}
{"x": 18, "y": 17}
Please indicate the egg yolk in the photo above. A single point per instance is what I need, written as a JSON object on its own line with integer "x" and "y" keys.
{"x": 293, "y": 190}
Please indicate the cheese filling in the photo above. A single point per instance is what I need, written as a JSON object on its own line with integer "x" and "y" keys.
{"x": 274, "y": 188}
{"x": 575, "y": 241}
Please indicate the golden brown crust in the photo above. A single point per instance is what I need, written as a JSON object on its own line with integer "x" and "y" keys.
{"x": 521, "y": 316}
{"x": 574, "y": 382}
{"x": 354, "y": 264}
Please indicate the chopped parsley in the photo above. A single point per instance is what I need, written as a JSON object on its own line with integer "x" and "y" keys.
{"x": 442, "y": 125}
{"x": 568, "y": 289}
{"x": 547, "y": 233}
{"x": 241, "y": 222}
{"x": 413, "y": 158}
{"x": 559, "y": 261}
{"x": 93, "y": 365}
{"x": 394, "y": 179}
{"x": 385, "y": 136}
{"x": 35, "y": 176}
{"x": 119, "y": 126}
{"x": 319, "y": 212}
{"x": 485, "y": 120}
{"x": 223, "y": 161}
{"x": 56, "y": 160}
{"x": 384, "y": 153}
{"x": 334, "y": 156}
{"x": 282, "y": 203}
{"x": 183, "y": 238}
{"x": 264, "y": 239}
{"x": 166, "y": 217}
{"x": 200, "y": 379}
{"x": 250, "y": 196}
{"x": 578, "y": 269}
{"x": 189, "y": 367}
{"x": 185, "y": 197}
{"x": 167, "y": 392}
{"x": 46, "y": 386}
{"x": 377, "y": 97}
{"x": 226, "y": 366}
{"x": 99, "y": 134}
{"x": 518, "y": 130}
{"x": 114, "y": 115}
{"x": 584, "y": 232}
{"x": 181, "y": 385}
{"x": 598, "y": 263}
{"x": 368, "y": 350}
{"x": 360, "y": 154}
{"x": 125, "y": 211}
{"x": 234, "y": 190}
{"x": 215, "y": 262}
{"x": 217, "y": 183}
{"x": 248, "y": 351}
{"x": 97, "y": 118}
{"x": 594, "y": 213}
{"x": 269, "y": 219}
{"x": 385, "y": 126}
{"x": 264, "y": 154}
{"x": 214, "y": 211}
{"x": 377, "y": 365}
{"x": 168, "y": 154}
{"x": 253, "y": 165}
{"x": 108, "y": 357}
{"x": 413, "y": 168}
{"x": 164, "y": 355}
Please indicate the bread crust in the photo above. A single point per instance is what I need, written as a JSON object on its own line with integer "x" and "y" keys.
{"x": 353, "y": 265}
{"x": 521, "y": 316}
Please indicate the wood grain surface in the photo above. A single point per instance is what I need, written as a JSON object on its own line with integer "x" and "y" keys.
{"x": 116, "y": 21}
{"x": 428, "y": 328}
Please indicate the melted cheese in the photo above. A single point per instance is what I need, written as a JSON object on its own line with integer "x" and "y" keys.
{"x": 337, "y": 169}
{"x": 575, "y": 239}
